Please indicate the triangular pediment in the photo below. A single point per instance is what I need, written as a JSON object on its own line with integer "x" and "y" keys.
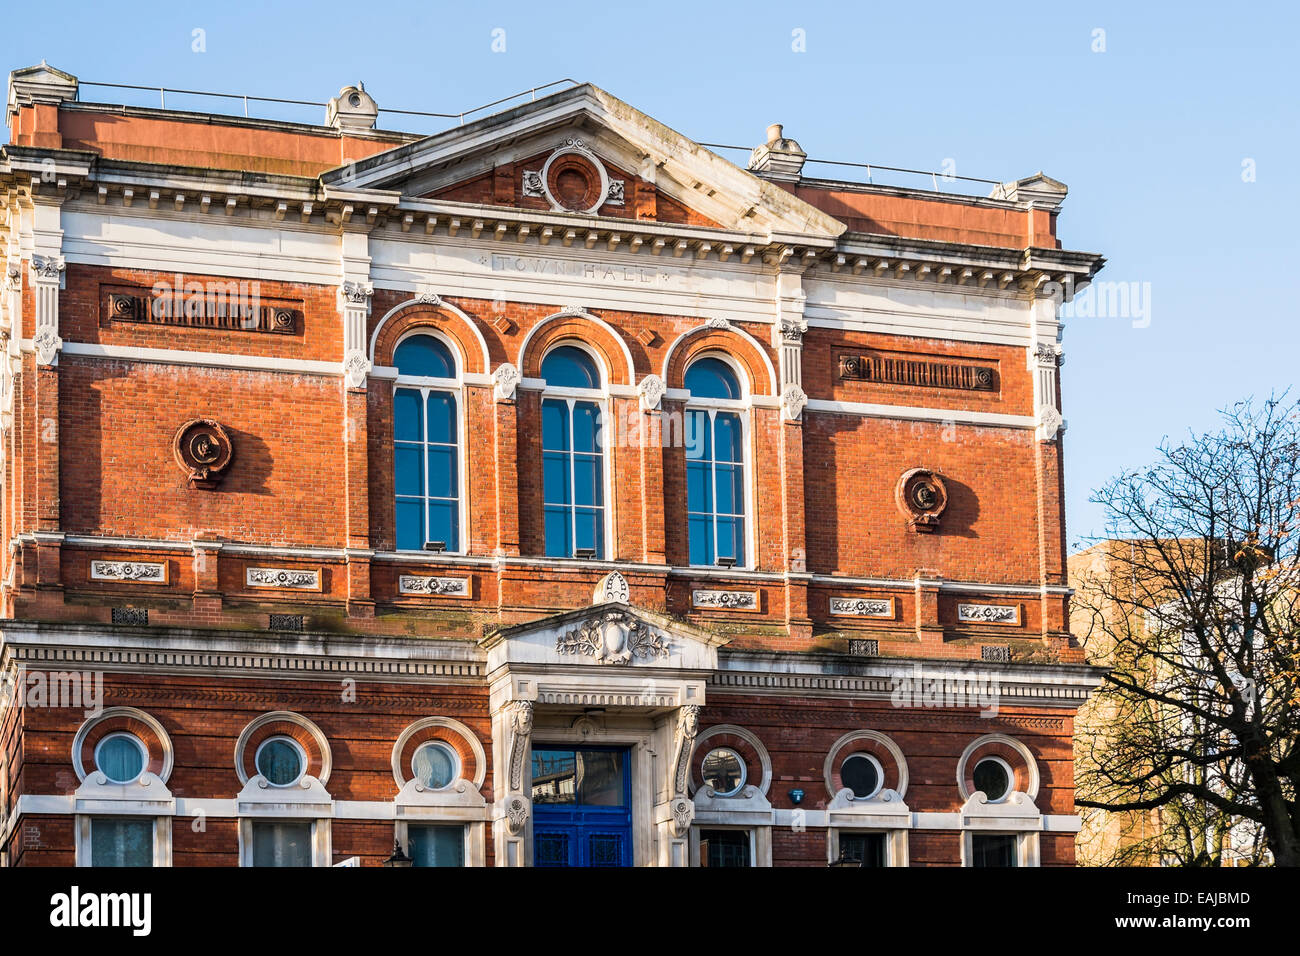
{"x": 537, "y": 156}
{"x": 612, "y": 635}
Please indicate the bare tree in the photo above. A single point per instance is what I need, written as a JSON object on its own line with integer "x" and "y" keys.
{"x": 1196, "y": 612}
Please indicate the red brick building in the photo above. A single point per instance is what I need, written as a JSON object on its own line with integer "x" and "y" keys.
{"x": 548, "y": 490}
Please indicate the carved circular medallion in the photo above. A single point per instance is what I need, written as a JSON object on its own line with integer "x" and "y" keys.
{"x": 573, "y": 179}
{"x": 203, "y": 451}
{"x": 922, "y": 496}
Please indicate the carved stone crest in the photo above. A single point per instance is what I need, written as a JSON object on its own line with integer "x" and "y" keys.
{"x": 651, "y": 389}
{"x": 612, "y": 587}
{"x": 614, "y": 637}
{"x": 505, "y": 379}
{"x": 203, "y": 451}
{"x": 356, "y": 369}
{"x": 793, "y": 401}
{"x": 922, "y": 496}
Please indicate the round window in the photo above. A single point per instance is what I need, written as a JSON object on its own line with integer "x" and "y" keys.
{"x": 993, "y": 777}
{"x": 281, "y": 761}
{"x": 724, "y": 771}
{"x": 121, "y": 758}
{"x": 862, "y": 774}
{"x": 435, "y": 765}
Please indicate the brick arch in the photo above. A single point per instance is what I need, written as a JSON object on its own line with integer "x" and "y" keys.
{"x": 734, "y": 342}
{"x": 878, "y": 745}
{"x": 588, "y": 329}
{"x": 473, "y": 760}
{"x": 445, "y": 318}
{"x": 283, "y": 724}
{"x": 758, "y": 764}
{"x": 144, "y": 727}
{"x": 1023, "y": 766}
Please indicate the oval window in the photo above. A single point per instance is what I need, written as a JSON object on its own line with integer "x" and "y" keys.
{"x": 862, "y": 774}
{"x": 435, "y": 765}
{"x": 993, "y": 778}
{"x": 121, "y": 758}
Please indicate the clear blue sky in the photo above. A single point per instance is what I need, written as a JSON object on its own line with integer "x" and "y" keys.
{"x": 1150, "y": 136}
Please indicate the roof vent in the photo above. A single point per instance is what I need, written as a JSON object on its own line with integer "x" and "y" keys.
{"x": 353, "y": 108}
{"x": 779, "y": 158}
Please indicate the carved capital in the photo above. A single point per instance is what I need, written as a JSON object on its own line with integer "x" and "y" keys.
{"x": 47, "y": 268}
{"x": 355, "y": 293}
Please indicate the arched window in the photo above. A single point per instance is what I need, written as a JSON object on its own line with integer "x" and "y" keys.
{"x": 573, "y": 465}
{"x": 715, "y": 464}
{"x": 426, "y": 452}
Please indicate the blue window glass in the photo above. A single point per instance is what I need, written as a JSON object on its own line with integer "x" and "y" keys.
{"x": 118, "y": 841}
{"x": 570, "y": 367}
{"x": 120, "y": 758}
{"x": 426, "y": 466}
{"x": 715, "y": 485}
{"x": 573, "y": 492}
{"x": 436, "y": 845}
{"x": 712, "y": 378}
{"x": 424, "y": 356}
{"x": 280, "y": 761}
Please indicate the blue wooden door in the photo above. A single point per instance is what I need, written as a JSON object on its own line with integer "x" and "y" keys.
{"x": 582, "y": 806}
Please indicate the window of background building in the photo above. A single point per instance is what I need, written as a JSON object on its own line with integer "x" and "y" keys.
{"x": 426, "y": 445}
{"x": 715, "y": 464}
{"x": 573, "y": 458}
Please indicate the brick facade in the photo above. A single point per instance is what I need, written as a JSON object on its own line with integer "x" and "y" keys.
{"x": 679, "y": 266}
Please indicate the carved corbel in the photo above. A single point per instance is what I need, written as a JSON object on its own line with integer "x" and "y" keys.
{"x": 680, "y": 805}
{"x": 505, "y": 379}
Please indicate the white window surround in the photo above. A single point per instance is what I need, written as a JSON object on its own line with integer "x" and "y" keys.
{"x": 743, "y": 407}
{"x": 760, "y": 841}
{"x": 307, "y": 800}
{"x": 460, "y": 803}
{"x": 601, "y": 398}
{"x": 167, "y": 755}
{"x": 896, "y": 852}
{"x": 146, "y": 796}
{"x": 162, "y": 834}
{"x": 287, "y": 716}
{"x": 846, "y": 746}
{"x": 1028, "y": 850}
{"x": 1031, "y": 765}
{"x": 455, "y": 387}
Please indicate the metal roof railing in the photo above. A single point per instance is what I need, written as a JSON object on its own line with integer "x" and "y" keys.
{"x": 162, "y": 92}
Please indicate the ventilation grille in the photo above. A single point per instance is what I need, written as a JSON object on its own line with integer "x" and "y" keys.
{"x": 137, "y": 616}
{"x": 999, "y": 653}
{"x": 864, "y": 647}
{"x": 287, "y": 622}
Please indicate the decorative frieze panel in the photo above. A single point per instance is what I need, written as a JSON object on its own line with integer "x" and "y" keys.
{"x": 288, "y": 579}
{"x": 919, "y": 373}
{"x": 725, "y": 600}
{"x": 863, "y": 607}
{"x": 433, "y": 586}
{"x": 134, "y": 572}
{"x": 988, "y": 613}
{"x": 238, "y": 308}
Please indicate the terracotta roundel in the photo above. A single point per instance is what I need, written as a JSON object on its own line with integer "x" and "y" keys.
{"x": 203, "y": 451}
{"x": 922, "y": 496}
